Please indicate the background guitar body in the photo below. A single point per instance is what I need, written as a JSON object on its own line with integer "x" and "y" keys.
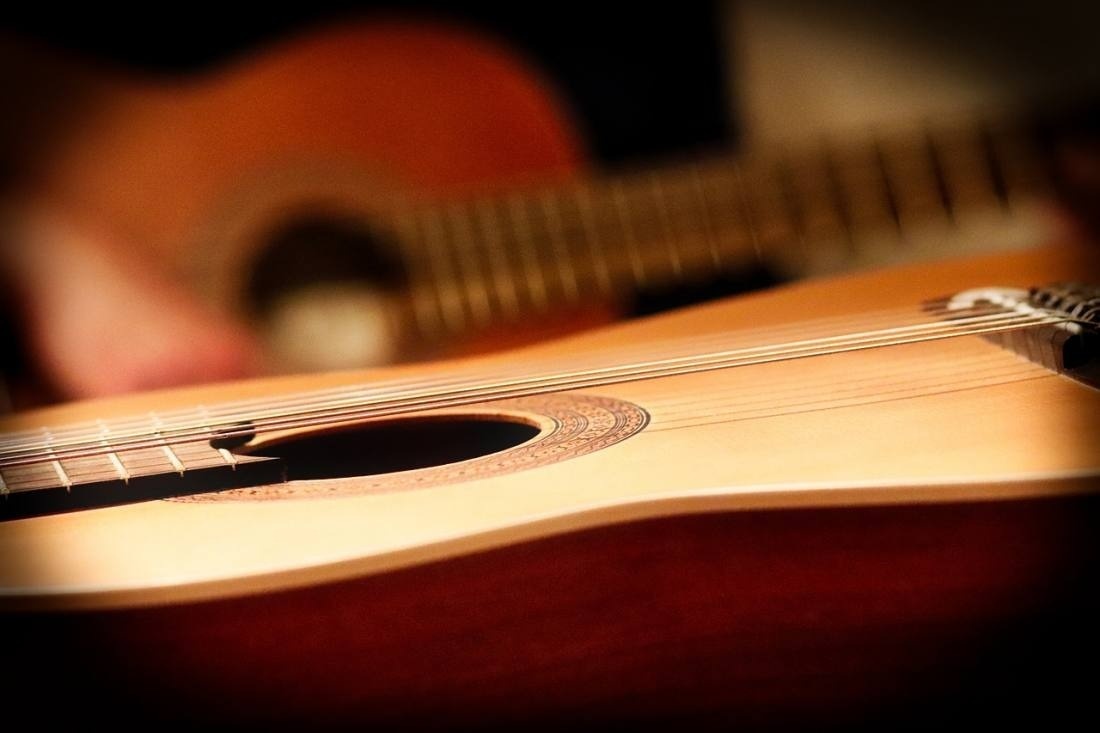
{"x": 902, "y": 533}
{"x": 425, "y": 109}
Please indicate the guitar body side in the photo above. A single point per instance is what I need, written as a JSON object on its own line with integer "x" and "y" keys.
{"x": 762, "y": 620}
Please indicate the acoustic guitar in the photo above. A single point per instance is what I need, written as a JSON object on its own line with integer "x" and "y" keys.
{"x": 424, "y": 187}
{"x": 837, "y": 502}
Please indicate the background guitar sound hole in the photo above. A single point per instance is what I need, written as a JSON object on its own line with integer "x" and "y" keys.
{"x": 319, "y": 248}
{"x": 397, "y": 446}
{"x": 321, "y": 290}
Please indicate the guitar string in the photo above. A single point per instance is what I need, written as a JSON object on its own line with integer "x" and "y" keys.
{"x": 310, "y": 404}
{"x": 481, "y": 391}
{"x": 948, "y": 388}
{"x": 856, "y": 378}
{"x": 669, "y": 347}
{"x": 871, "y": 388}
{"x": 472, "y": 391}
{"x": 724, "y": 412}
{"x": 229, "y": 410}
{"x": 99, "y": 473}
{"x": 870, "y": 385}
{"x": 994, "y": 366}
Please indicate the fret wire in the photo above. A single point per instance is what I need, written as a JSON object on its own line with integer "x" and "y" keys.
{"x": 145, "y": 467}
{"x": 967, "y": 172}
{"x": 425, "y": 291}
{"x": 148, "y": 466}
{"x": 551, "y": 210}
{"x": 887, "y": 186}
{"x": 790, "y": 198}
{"x": 113, "y": 457}
{"x": 92, "y": 476}
{"x": 1022, "y": 169}
{"x": 467, "y": 256}
{"x": 493, "y": 239}
{"x": 630, "y": 240}
{"x": 168, "y": 452}
{"x": 773, "y": 208}
{"x": 62, "y": 475}
{"x": 822, "y": 218}
{"x": 939, "y": 175}
{"x": 915, "y": 195}
{"x": 447, "y": 280}
{"x": 868, "y": 199}
{"x": 836, "y": 193}
{"x": 741, "y": 188}
{"x": 660, "y": 200}
{"x": 83, "y": 469}
{"x": 791, "y": 208}
{"x": 229, "y": 458}
{"x": 528, "y": 252}
{"x": 596, "y": 246}
{"x": 995, "y": 169}
{"x": 706, "y": 217}
{"x": 725, "y": 209}
{"x": 684, "y": 228}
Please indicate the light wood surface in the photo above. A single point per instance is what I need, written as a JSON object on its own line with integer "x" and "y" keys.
{"x": 943, "y": 421}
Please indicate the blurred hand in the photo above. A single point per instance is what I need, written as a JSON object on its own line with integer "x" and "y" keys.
{"x": 101, "y": 320}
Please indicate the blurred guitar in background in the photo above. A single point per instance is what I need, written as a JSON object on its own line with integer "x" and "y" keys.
{"x": 393, "y": 190}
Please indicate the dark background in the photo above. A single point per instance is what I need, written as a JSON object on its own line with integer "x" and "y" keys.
{"x": 647, "y": 80}
{"x": 644, "y": 79}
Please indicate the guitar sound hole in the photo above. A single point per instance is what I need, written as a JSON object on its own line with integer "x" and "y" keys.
{"x": 401, "y": 445}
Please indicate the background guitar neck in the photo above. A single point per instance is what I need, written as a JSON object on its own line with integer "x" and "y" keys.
{"x": 835, "y": 205}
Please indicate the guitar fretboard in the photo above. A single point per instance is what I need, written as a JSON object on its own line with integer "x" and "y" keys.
{"x": 501, "y": 257}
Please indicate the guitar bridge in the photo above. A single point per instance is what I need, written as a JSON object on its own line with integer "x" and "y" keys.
{"x": 1066, "y": 336}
